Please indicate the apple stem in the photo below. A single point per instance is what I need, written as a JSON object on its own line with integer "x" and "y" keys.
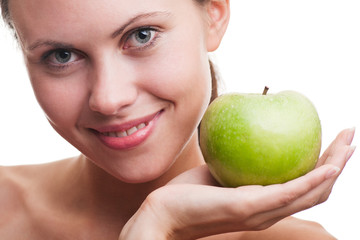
{"x": 266, "y": 89}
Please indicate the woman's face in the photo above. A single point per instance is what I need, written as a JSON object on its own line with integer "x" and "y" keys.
{"x": 126, "y": 82}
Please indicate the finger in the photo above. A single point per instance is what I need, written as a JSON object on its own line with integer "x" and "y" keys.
{"x": 349, "y": 153}
{"x": 308, "y": 200}
{"x": 275, "y": 202}
{"x": 314, "y": 196}
{"x": 345, "y": 137}
{"x": 321, "y": 192}
{"x": 340, "y": 156}
{"x": 281, "y": 195}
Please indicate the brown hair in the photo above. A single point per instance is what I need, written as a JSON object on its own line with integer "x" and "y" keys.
{"x": 4, "y": 5}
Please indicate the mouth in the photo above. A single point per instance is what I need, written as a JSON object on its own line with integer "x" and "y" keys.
{"x": 128, "y": 135}
{"x": 127, "y": 132}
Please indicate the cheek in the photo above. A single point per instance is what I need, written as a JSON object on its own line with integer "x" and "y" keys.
{"x": 61, "y": 99}
{"x": 183, "y": 77}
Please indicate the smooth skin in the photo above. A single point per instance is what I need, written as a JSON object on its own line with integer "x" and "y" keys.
{"x": 91, "y": 69}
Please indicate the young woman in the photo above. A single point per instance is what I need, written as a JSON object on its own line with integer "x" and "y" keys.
{"x": 127, "y": 83}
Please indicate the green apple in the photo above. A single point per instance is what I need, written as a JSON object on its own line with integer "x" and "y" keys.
{"x": 259, "y": 139}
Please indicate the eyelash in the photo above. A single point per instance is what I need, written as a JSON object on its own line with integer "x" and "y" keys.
{"x": 59, "y": 66}
{"x": 155, "y": 34}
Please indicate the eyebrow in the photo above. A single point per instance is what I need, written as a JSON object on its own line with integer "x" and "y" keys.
{"x": 51, "y": 43}
{"x": 56, "y": 44}
{"x": 137, "y": 18}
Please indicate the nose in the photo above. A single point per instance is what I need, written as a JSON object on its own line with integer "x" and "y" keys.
{"x": 113, "y": 87}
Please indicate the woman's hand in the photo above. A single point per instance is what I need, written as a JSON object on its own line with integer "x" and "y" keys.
{"x": 192, "y": 205}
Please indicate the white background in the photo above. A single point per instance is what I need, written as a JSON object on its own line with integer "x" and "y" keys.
{"x": 311, "y": 46}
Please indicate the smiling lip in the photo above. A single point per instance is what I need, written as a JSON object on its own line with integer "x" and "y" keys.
{"x": 128, "y": 135}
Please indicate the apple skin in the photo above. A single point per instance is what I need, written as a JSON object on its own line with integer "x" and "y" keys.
{"x": 254, "y": 139}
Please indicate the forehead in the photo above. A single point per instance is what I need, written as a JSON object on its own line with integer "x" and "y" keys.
{"x": 75, "y": 8}
{"x": 33, "y": 18}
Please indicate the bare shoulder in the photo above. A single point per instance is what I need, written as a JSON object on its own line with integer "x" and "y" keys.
{"x": 17, "y": 183}
{"x": 19, "y": 192}
{"x": 12, "y": 197}
{"x": 11, "y": 194}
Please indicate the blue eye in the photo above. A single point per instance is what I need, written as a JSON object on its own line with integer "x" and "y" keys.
{"x": 62, "y": 56}
{"x": 141, "y": 38}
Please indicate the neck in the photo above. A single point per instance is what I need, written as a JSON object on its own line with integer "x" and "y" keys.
{"x": 103, "y": 193}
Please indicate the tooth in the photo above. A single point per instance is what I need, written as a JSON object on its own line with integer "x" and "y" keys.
{"x": 112, "y": 134}
{"x": 131, "y": 130}
{"x": 141, "y": 125}
{"x": 122, "y": 134}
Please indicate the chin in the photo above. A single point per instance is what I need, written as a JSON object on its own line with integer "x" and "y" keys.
{"x": 138, "y": 179}
{"x": 138, "y": 175}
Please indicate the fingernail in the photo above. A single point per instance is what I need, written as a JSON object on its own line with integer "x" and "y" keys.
{"x": 350, "y": 152}
{"x": 332, "y": 172}
{"x": 350, "y": 135}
